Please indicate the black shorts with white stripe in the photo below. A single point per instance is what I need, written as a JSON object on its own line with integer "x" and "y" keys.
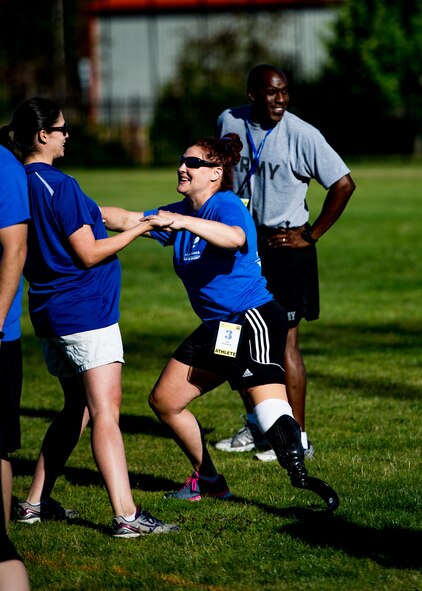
{"x": 260, "y": 354}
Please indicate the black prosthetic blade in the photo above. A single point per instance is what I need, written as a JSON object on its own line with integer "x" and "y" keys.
{"x": 322, "y": 489}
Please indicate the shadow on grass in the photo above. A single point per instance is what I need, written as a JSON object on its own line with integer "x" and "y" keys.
{"x": 356, "y": 341}
{"x": 364, "y": 387}
{"x": 79, "y": 522}
{"x": 38, "y": 413}
{"x": 391, "y": 547}
{"x": 321, "y": 338}
{"x": 130, "y": 424}
{"x": 150, "y": 351}
{"x": 367, "y": 337}
{"x": 89, "y": 477}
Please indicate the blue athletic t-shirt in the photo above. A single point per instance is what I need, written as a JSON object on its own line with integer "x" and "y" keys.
{"x": 14, "y": 209}
{"x": 64, "y": 296}
{"x": 221, "y": 283}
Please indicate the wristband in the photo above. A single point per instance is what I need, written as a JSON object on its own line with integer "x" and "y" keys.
{"x": 307, "y": 236}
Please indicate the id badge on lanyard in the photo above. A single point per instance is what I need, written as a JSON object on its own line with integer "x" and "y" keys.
{"x": 227, "y": 339}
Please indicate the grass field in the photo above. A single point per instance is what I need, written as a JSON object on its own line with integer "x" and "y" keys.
{"x": 364, "y": 359}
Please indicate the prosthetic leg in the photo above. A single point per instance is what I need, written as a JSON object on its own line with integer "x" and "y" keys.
{"x": 284, "y": 438}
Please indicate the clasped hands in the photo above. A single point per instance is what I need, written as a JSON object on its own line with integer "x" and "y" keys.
{"x": 167, "y": 220}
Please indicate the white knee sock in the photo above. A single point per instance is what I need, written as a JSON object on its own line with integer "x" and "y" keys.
{"x": 268, "y": 411}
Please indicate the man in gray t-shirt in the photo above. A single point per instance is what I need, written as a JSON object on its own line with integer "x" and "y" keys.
{"x": 281, "y": 154}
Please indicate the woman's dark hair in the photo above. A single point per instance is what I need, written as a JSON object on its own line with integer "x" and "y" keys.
{"x": 225, "y": 151}
{"x": 28, "y": 119}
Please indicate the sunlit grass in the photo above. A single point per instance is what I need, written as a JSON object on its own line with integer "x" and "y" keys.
{"x": 364, "y": 401}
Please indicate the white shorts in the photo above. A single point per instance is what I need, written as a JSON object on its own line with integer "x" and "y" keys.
{"x": 75, "y": 353}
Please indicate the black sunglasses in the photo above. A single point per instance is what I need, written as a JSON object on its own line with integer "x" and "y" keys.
{"x": 63, "y": 129}
{"x": 194, "y": 162}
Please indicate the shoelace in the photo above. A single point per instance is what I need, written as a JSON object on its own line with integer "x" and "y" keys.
{"x": 243, "y": 430}
{"x": 191, "y": 482}
{"x": 148, "y": 517}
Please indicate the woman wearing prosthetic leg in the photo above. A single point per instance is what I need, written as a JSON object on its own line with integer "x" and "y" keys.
{"x": 242, "y": 336}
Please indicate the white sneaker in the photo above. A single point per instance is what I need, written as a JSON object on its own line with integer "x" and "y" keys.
{"x": 248, "y": 438}
{"x": 269, "y": 456}
{"x": 143, "y": 524}
{"x": 309, "y": 451}
{"x": 266, "y": 456}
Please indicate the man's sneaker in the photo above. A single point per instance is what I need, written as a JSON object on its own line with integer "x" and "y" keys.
{"x": 195, "y": 489}
{"x": 266, "y": 456}
{"x": 143, "y": 524}
{"x": 269, "y": 455}
{"x": 49, "y": 509}
{"x": 309, "y": 451}
{"x": 248, "y": 438}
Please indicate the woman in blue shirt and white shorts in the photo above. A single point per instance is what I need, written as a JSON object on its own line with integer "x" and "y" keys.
{"x": 74, "y": 288}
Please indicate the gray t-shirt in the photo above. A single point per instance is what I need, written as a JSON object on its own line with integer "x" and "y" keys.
{"x": 292, "y": 153}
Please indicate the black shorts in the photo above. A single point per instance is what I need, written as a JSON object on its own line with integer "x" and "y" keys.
{"x": 7, "y": 549}
{"x": 260, "y": 353}
{"x": 10, "y": 396}
{"x": 292, "y": 278}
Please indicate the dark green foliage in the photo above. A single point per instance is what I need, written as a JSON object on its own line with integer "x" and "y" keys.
{"x": 210, "y": 77}
{"x": 370, "y": 98}
{"x": 32, "y": 58}
{"x": 88, "y": 149}
{"x": 367, "y": 101}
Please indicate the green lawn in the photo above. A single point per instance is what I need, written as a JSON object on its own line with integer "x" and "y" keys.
{"x": 364, "y": 359}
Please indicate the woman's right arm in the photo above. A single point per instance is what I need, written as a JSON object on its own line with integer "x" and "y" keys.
{"x": 92, "y": 251}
